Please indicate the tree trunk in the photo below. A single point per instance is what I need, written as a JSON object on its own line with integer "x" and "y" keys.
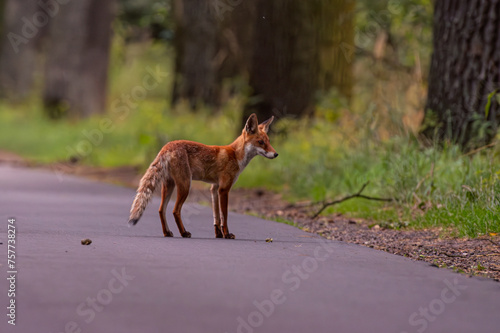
{"x": 465, "y": 71}
{"x": 77, "y": 62}
{"x": 282, "y": 73}
{"x": 234, "y": 39}
{"x": 301, "y": 47}
{"x": 195, "y": 49}
{"x": 221, "y": 44}
{"x": 2, "y": 21}
{"x": 335, "y": 29}
{"x": 22, "y": 29}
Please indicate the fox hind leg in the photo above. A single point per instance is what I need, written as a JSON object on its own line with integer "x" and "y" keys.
{"x": 183, "y": 183}
{"x": 166, "y": 192}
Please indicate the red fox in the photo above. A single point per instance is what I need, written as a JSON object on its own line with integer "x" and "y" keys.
{"x": 179, "y": 162}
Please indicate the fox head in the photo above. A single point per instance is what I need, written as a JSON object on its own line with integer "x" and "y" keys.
{"x": 256, "y": 139}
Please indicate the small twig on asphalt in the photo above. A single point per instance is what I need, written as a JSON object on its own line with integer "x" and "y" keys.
{"x": 355, "y": 195}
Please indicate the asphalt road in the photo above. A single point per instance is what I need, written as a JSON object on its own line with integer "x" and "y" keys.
{"x": 134, "y": 280}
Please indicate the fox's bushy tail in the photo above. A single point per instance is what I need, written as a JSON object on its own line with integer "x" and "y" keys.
{"x": 154, "y": 176}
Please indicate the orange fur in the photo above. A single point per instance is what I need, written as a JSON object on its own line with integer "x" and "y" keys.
{"x": 179, "y": 162}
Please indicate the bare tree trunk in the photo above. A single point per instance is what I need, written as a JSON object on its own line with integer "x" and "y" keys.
{"x": 213, "y": 43}
{"x": 2, "y": 20}
{"x": 300, "y": 49}
{"x": 76, "y": 70}
{"x": 465, "y": 70}
{"x": 235, "y": 40}
{"x": 335, "y": 29}
{"x": 22, "y": 29}
{"x": 283, "y": 70}
{"x": 195, "y": 46}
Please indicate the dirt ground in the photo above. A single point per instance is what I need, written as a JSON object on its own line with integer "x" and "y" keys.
{"x": 479, "y": 256}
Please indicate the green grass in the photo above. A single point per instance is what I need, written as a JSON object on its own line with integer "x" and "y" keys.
{"x": 320, "y": 159}
{"x": 134, "y": 140}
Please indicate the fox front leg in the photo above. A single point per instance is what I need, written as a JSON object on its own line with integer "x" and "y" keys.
{"x": 223, "y": 197}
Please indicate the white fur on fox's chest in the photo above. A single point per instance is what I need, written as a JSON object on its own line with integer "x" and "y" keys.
{"x": 250, "y": 152}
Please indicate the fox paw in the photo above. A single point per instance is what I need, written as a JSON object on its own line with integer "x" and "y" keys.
{"x": 168, "y": 234}
{"x": 218, "y": 232}
{"x": 229, "y": 236}
{"x": 186, "y": 234}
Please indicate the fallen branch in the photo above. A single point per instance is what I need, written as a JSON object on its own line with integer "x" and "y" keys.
{"x": 453, "y": 255}
{"x": 355, "y": 195}
{"x": 491, "y": 145}
{"x": 497, "y": 244}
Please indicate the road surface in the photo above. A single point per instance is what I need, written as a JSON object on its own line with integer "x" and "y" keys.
{"x": 134, "y": 280}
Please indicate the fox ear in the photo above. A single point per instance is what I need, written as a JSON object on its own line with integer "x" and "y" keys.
{"x": 252, "y": 124}
{"x": 265, "y": 124}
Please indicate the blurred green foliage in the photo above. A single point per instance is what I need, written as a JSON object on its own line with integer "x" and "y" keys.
{"x": 408, "y": 24}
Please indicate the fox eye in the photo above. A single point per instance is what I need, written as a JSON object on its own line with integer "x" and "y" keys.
{"x": 261, "y": 142}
